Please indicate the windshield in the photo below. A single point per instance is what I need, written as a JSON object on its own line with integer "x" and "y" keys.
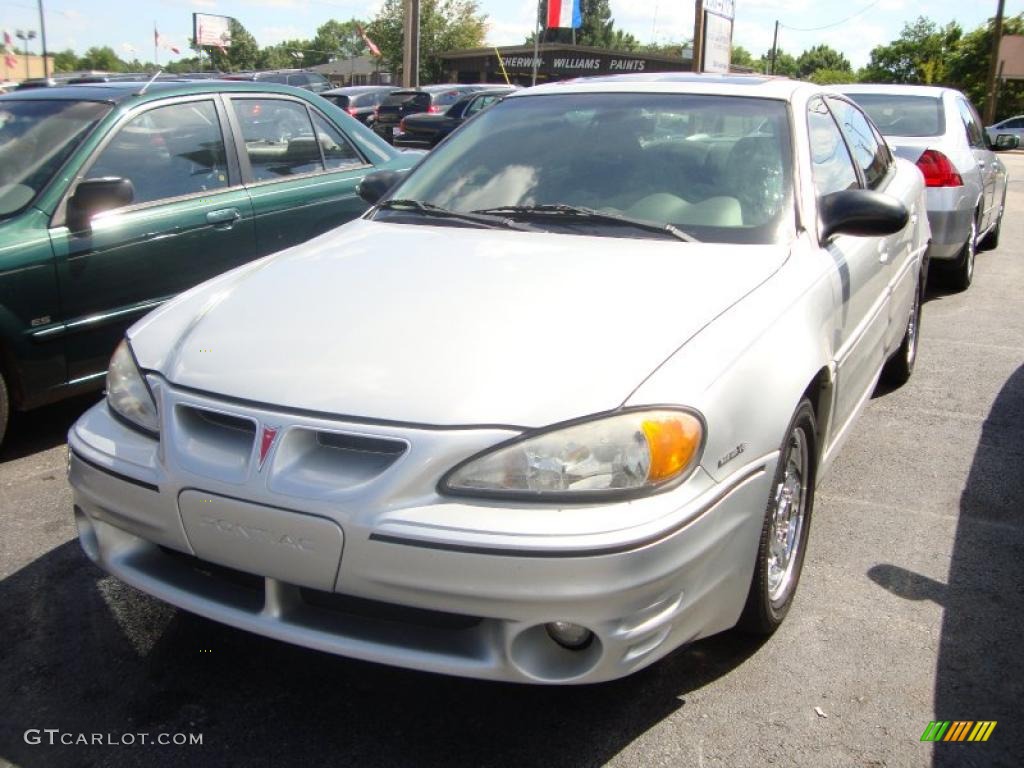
{"x": 36, "y": 137}
{"x": 899, "y": 115}
{"x": 717, "y": 168}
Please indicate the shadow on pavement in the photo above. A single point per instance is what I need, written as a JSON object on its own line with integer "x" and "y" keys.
{"x": 44, "y": 428}
{"x": 87, "y": 654}
{"x": 980, "y": 673}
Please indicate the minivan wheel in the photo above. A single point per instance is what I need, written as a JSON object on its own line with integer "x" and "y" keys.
{"x": 780, "y": 553}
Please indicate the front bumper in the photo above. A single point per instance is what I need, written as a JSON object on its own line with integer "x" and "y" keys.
{"x": 462, "y": 588}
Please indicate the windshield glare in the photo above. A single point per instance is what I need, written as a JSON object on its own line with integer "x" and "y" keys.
{"x": 36, "y": 137}
{"x": 716, "y": 167}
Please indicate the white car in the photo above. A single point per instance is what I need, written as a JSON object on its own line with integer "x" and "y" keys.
{"x": 556, "y": 406}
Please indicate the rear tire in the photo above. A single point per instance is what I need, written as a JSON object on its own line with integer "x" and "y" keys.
{"x": 961, "y": 274}
{"x": 900, "y": 366}
{"x": 780, "y": 553}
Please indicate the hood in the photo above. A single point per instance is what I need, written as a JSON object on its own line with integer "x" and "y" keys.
{"x": 448, "y": 325}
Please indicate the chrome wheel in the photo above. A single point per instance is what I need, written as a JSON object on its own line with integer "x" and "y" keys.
{"x": 789, "y": 505}
{"x": 912, "y": 326}
{"x": 971, "y": 252}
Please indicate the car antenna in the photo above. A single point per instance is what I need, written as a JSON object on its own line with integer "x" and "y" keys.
{"x": 142, "y": 90}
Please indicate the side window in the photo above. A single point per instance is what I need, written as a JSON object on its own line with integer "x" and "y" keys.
{"x": 279, "y": 138}
{"x": 972, "y": 125}
{"x": 831, "y": 167}
{"x": 338, "y": 153}
{"x": 868, "y": 153}
{"x": 167, "y": 152}
{"x": 298, "y": 80}
{"x": 480, "y": 103}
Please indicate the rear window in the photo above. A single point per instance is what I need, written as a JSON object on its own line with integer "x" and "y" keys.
{"x": 899, "y": 115}
{"x": 366, "y": 100}
{"x": 446, "y": 98}
{"x": 341, "y": 101}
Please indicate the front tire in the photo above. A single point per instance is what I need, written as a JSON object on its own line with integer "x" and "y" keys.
{"x": 780, "y": 553}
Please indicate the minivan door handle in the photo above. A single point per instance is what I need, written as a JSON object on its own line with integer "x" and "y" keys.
{"x": 223, "y": 218}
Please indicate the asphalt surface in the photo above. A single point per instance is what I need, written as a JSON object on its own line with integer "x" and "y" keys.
{"x": 911, "y": 609}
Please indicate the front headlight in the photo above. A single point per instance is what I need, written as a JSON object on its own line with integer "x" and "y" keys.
{"x": 128, "y": 394}
{"x": 607, "y": 457}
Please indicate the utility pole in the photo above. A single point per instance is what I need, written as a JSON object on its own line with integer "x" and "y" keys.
{"x": 411, "y": 49}
{"x": 698, "y": 36}
{"x": 536, "y": 45}
{"x": 42, "y": 31}
{"x": 997, "y": 34}
{"x": 775, "y": 46}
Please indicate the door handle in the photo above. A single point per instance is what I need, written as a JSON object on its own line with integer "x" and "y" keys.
{"x": 223, "y": 218}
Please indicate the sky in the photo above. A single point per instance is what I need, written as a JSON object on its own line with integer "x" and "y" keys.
{"x": 80, "y": 24}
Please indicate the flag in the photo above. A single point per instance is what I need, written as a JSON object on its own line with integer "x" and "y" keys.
{"x": 369, "y": 43}
{"x": 10, "y": 60}
{"x": 159, "y": 41}
{"x": 564, "y": 14}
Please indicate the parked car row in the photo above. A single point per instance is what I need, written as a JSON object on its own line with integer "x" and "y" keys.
{"x": 555, "y": 406}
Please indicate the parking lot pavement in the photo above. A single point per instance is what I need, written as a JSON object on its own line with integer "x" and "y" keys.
{"x": 911, "y": 609}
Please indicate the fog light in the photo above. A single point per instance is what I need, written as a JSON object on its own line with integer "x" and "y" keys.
{"x": 568, "y": 635}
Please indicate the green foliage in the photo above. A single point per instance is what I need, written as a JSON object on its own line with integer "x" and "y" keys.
{"x": 242, "y": 54}
{"x": 336, "y": 40}
{"x": 741, "y": 57}
{"x": 832, "y": 76}
{"x": 967, "y": 69}
{"x": 785, "y": 64}
{"x": 919, "y": 55}
{"x": 821, "y": 57}
{"x": 65, "y": 61}
{"x": 101, "y": 58}
{"x": 445, "y": 25}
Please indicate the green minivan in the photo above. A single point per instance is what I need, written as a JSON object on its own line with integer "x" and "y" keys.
{"x": 114, "y": 197}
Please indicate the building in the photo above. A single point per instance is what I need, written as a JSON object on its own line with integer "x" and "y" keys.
{"x": 359, "y": 70}
{"x": 555, "y": 62}
{"x": 19, "y": 71}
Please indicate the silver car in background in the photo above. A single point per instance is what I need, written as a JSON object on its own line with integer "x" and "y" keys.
{"x": 556, "y": 406}
{"x": 940, "y": 131}
{"x": 1011, "y": 125}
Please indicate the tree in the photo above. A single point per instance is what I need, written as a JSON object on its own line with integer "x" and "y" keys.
{"x": 832, "y": 76}
{"x": 821, "y": 57}
{"x": 102, "y": 59}
{"x": 919, "y": 55}
{"x": 598, "y": 29}
{"x": 337, "y": 40}
{"x": 243, "y": 52}
{"x": 968, "y": 67}
{"x": 785, "y": 65}
{"x": 65, "y": 61}
{"x": 445, "y": 25}
{"x": 741, "y": 57}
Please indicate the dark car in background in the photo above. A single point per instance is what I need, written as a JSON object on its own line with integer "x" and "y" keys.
{"x": 360, "y": 101}
{"x": 424, "y": 130}
{"x": 434, "y": 99}
{"x": 300, "y": 78}
{"x": 115, "y": 197}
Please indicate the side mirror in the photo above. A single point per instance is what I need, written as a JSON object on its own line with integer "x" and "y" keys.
{"x": 93, "y": 196}
{"x": 861, "y": 213}
{"x": 1006, "y": 141}
{"x": 375, "y": 185}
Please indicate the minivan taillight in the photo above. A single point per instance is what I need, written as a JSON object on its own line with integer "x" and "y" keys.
{"x": 352, "y": 111}
{"x": 938, "y": 170}
{"x": 433, "y": 109}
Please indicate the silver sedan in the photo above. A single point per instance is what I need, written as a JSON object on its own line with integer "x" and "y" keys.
{"x": 556, "y": 406}
{"x": 940, "y": 131}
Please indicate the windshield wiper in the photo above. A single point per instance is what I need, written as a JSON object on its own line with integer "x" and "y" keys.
{"x": 430, "y": 209}
{"x": 587, "y": 214}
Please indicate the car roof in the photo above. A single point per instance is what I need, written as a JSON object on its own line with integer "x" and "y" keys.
{"x": 894, "y": 90}
{"x": 356, "y": 89}
{"x": 118, "y": 92}
{"x": 762, "y": 86}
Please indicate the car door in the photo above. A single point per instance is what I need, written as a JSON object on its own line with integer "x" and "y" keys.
{"x": 985, "y": 158}
{"x": 861, "y": 319}
{"x": 190, "y": 219}
{"x": 299, "y": 167}
{"x": 878, "y": 171}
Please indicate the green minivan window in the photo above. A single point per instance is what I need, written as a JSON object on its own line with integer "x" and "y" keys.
{"x": 167, "y": 152}
{"x": 36, "y": 138}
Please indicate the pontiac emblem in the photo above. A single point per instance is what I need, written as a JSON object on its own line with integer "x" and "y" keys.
{"x": 267, "y": 437}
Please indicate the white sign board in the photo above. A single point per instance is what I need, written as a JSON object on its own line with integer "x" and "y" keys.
{"x": 211, "y": 31}
{"x": 725, "y": 8}
{"x": 717, "y": 43}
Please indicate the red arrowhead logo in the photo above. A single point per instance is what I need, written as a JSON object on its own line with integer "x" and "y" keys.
{"x": 267, "y": 438}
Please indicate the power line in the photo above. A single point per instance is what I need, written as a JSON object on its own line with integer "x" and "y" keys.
{"x": 867, "y": 7}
